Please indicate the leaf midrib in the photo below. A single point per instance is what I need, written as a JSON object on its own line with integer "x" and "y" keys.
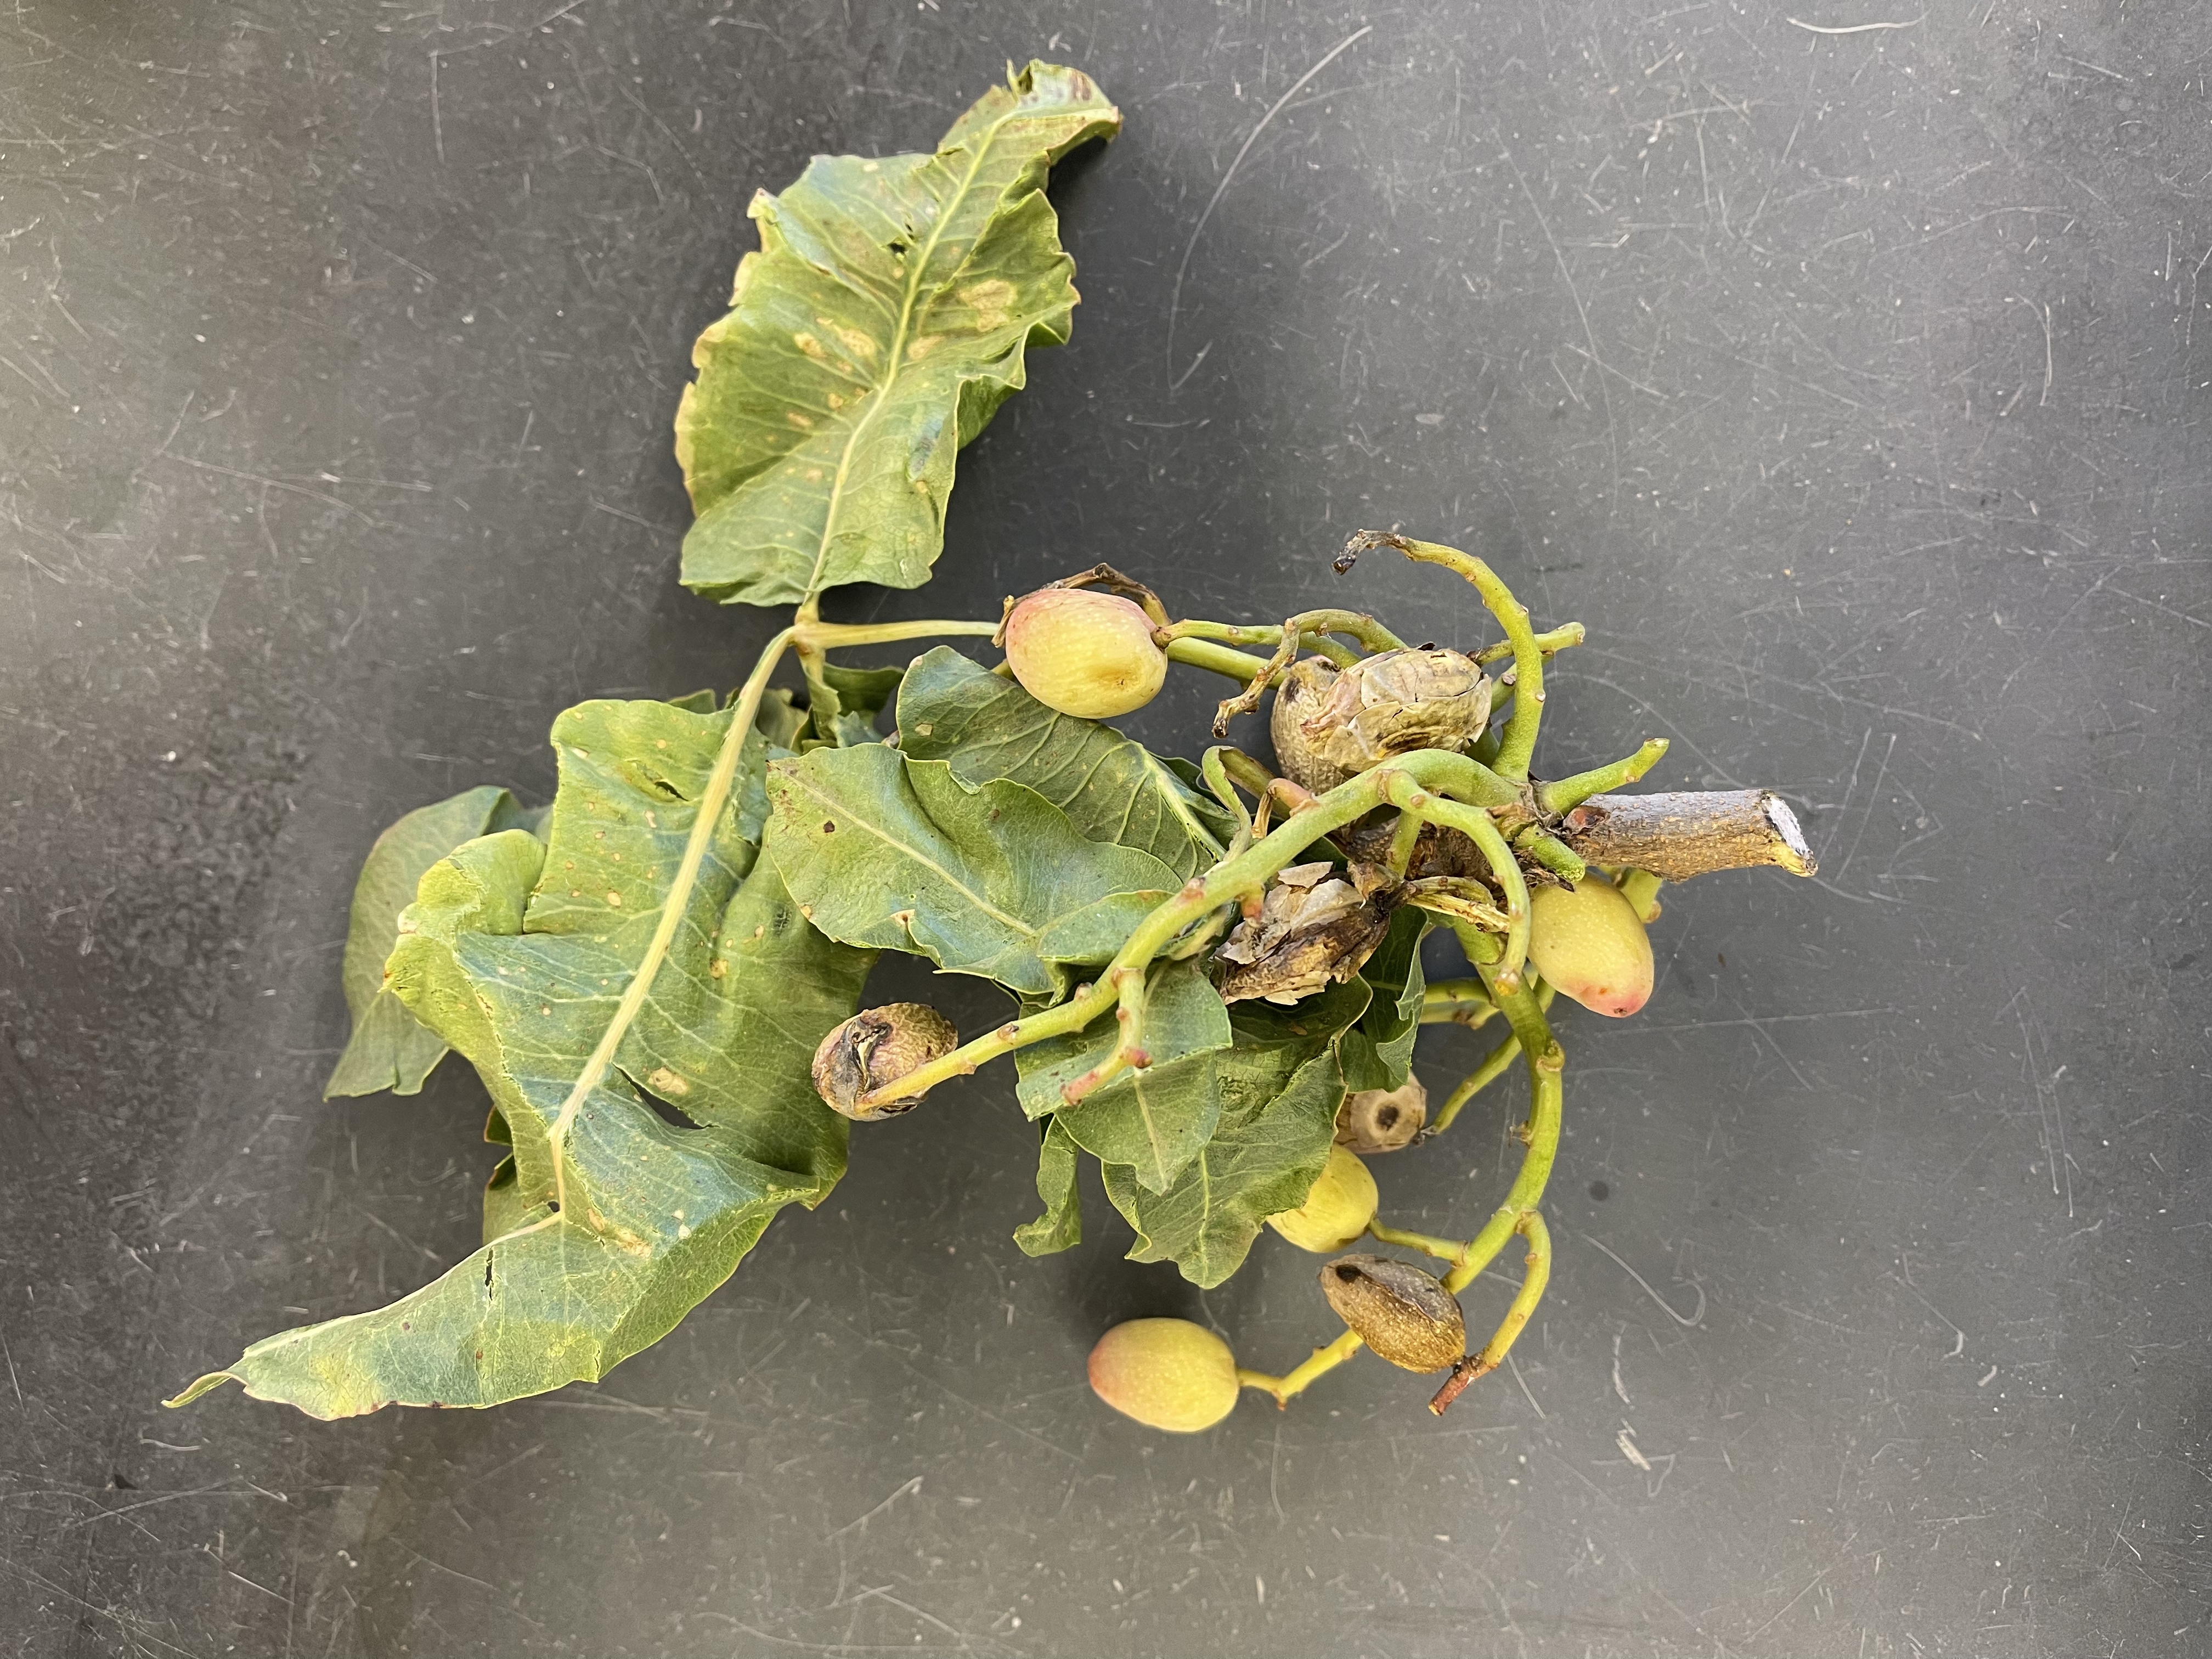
{"x": 897, "y": 353}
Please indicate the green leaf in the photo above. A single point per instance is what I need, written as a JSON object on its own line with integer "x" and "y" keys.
{"x": 1061, "y": 1226}
{"x": 1272, "y": 1042}
{"x": 1111, "y": 788}
{"x": 880, "y": 324}
{"x": 843, "y": 703}
{"x": 516, "y": 952}
{"x": 390, "y": 1049}
{"x": 1153, "y": 1121}
{"x": 895, "y": 853}
{"x": 1094, "y": 934}
{"x": 1377, "y": 1051}
{"x": 1254, "y": 1167}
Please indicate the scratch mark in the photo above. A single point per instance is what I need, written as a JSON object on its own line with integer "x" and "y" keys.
{"x": 1175, "y": 297}
{"x": 1855, "y": 29}
{"x": 914, "y": 1484}
{"x": 1692, "y": 1323}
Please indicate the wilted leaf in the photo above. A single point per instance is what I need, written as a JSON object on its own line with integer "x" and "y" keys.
{"x": 515, "y": 953}
{"x": 390, "y": 1049}
{"x": 1254, "y": 1167}
{"x": 894, "y": 853}
{"x": 1061, "y": 1226}
{"x": 880, "y": 324}
{"x": 1111, "y": 788}
{"x": 1154, "y": 1120}
{"x": 1377, "y": 1051}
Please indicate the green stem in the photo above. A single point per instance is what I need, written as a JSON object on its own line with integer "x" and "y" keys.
{"x": 1318, "y": 1364}
{"x": 1480, "y": 828}
{"x": 1402, "y": 837}
{"x": 1457, "y": 1002}
{"x": 1219, "y": 659}
{"x": 1213, "y": 767}
{"x": 1640, "y": 889}
{"x": 1539, "y": 1262}
{"x": 1444, "y": 1249}
{"x": 1546, "y": 1062}
{"x": 1550, "y": 641}
{"x": 1492, "y": 1068}
{"x": 1567, "y": 793}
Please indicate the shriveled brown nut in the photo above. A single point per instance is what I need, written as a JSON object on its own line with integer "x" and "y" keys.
{"x": 1316, "y": 926}
{"x": 1388, "y": 704}
{"x": 1373, "y": 1120}
{"x": 1405, "y": 1315}
{"x": 878, "y": 1046}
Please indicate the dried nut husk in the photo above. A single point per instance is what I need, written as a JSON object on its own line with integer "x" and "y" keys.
{"x": 1317, "y": 926}
{"x": 1438, "y": 851}
{"x": 1588, "y": 941}
{"x": 1082, "y": 651}
{"x": 878, "y": 1046}
{"x": 1403, "y": 1314}
{"x": 1300, "y": 695}
{"x": 1373, "y": 1120}
{"x": 1337, "y": 1209}
{"x": 1332, "y": 725}
{"x": 1166, "y": 1373}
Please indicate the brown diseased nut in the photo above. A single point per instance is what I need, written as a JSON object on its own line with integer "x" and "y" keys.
{"x": 1081, "y": 652}
{"x": 1375, "y": 1121}
{"x": 1329, "y": 724}
{"x": 1317, "y": 926}
{"x": 878, "y": 1046}
{"x": 1403, "y": 1314}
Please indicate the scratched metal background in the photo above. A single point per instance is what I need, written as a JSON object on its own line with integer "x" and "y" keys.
{"x": 1845, "y": 385}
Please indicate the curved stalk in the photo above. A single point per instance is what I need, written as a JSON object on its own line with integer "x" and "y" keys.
{"x": 1205, "y": 654}
{"x": 1567, "y": 793}
{"x": 1492, "y": 1068}
{"x": 1299, "y": 1378}
{"x": 1477, "y": 1366}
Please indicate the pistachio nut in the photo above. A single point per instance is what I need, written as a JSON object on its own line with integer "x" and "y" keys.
{"x": 1406, "y": 1316}
{"x": 878, "y": 1046}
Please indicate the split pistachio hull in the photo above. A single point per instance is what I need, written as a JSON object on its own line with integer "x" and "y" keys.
{"x": 1375, "y": 1121}
{"x": 1337, "y": 1210}
{"x": 1085, "y": 653}
{"x": 1588, "y": 942}
{"x": 1166, "y": 1373}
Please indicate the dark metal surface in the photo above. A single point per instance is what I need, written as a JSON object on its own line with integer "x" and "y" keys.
{"x": 1845, "y": 385}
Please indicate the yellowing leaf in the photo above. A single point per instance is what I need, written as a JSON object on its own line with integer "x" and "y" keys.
{"x": 880, "y": 324}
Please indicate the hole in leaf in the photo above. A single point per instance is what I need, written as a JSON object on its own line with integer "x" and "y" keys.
{"x": 669, "y": 1115}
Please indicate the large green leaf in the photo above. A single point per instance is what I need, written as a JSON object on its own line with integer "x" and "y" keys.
{"x": 1378, "y": 1050}
{"x": 1061, "y": 1226}
{"x": 953, "y": 709}
{"x": 1153, "y": 1121}
{"x": 1280, "y": 1083}
{"x": 390, "y": 1049}
{"x": 515, "y": 953}
{"x": 880, "y": 324}
{"x": 1254, "y": 1167}
{"x": 893, "y": 854}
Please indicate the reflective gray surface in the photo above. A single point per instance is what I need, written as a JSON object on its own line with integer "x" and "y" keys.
{"x": 1844, "y": 384}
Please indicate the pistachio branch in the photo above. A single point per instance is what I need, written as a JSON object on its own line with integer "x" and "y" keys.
{"x": 1233, "y": 879}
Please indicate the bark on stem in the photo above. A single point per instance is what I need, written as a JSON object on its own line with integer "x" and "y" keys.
{"x": 1690, "y": 833}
